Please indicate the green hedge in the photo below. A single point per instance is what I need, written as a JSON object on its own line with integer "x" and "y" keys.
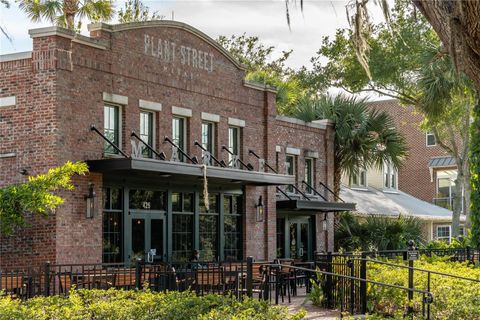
{"x": 453, "y": 298}
{"x": 144, "y": 304}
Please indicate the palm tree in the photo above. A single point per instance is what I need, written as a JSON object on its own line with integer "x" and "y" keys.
{"x": 363, "y": 138}
{"x": 64, "y": 12}
{"x": 376, "y": 232}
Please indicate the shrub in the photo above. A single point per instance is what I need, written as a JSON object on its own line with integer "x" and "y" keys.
{"x": 452, "y": 298}
{"x": 144, "y": 304}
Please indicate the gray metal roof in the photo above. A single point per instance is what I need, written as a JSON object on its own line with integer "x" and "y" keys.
{"x": 373, "y": 201}
{"x": 187, "y": 171}
{"x": 441, "y": 162}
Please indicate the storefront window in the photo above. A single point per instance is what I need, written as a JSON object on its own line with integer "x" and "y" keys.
{"x": 147, "y": 199}
{"x": 112, "y": 225}
{"x": 233, "y": 227}
{"x": 182, "y": 226}
{"x": 208, "y": 229}
{"x": 281, "y": 238}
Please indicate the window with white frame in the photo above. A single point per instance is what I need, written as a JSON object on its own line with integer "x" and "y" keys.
{"x": 208, "y": 131}
{"x": 111, "y": 127}
{"x": 179, "y": 132}
{"x": 309, "y": 176}
{"x": 389, "y": 176}
{"x": 443, "y": 233}
{"x": 233, "y": 144}
{"x": 430, "y": 139}
{"x": 359, "y": 180}
{"x": 290, "y": 169}
{"x": 147, "y": 130}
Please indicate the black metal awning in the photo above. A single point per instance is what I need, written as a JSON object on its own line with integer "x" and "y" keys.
{"x": 184, "y": 171}
{"x": 313, "y": 206}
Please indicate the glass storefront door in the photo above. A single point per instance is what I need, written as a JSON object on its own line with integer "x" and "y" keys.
{"x": 147, "y": 235}
{"x": 297, "y": 238}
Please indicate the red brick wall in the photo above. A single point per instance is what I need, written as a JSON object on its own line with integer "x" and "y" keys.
{"x": 60, "y": 94}
{"x": 308, "y": 138}
{"x": 28, "y": 129}
{"x": 414, "y": 176}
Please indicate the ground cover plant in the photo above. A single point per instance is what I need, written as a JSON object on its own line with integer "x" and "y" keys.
{"x": 142, "y": 304}
{"x": 452, "y": 298}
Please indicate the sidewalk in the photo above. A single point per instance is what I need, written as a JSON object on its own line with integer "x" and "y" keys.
{"x": 313, "y": 312}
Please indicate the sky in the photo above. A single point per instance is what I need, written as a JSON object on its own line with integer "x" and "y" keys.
{"x": 263, "y": 18}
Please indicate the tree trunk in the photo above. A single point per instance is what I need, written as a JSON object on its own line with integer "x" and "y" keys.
{"x": 457, "y": 23}
{"x": 337, "y": 179}
{"x": 468, "y": 191}
{"x": 70, "y": 9}
{"x": 457, "y": 202}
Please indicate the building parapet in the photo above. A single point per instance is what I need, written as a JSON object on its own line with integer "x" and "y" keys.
{"x": 320, "y": 124}
{"x": 16, "y": 56}
{"x": 69, "y": 34}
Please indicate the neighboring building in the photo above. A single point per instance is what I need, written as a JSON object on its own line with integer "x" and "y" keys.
{"x": 423, "y": 187}
{"x": 436, "y": 221}
{"x": 429, "y": 172}
{"x": 159, "y": 79}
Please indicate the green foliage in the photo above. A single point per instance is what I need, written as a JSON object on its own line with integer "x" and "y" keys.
{"x": 35, "y": 196}
{"x": 261, "y": 69}
{"x": 455, "y": 243}
{"x": 253, "y": 54}
{"x": 64, "y": 12}
{"x": 377, "y": 232}
{"x": 136, "y": 11}
{"x": 363, "y": 138}
{"x": 396, "y": 53}
{"x": 144, "y": 304}
{"x": 316, "y": 295}
{"x": 475, "y": 172}
{"x": 452, "y": 298}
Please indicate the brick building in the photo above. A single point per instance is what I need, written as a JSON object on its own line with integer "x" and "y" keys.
{"x": 429, "y": 172}
{"x": 173, "y": 107}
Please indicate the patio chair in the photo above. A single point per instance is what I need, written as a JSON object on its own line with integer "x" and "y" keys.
{"x": 209, "y": 280}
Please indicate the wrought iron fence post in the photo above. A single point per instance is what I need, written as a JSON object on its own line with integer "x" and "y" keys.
{"x": 138, "y": 274}
{"x": 249, "y": 276}
{"x": 468, "y": 253}
{"x": 363, "y": 284}
{"x": 329, "y": 288}
{"x": 46, "y": 287}
{"x": 351, "y": 264}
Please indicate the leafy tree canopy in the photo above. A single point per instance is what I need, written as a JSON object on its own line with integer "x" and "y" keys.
{"x": 291, "y": 85}
{"x": 36, "y": 195}
{"x": 395, "y": 56}
{"x": 67, "y": 13}
{"x": 136, "y": 11}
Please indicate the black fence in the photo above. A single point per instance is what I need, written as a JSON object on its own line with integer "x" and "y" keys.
{"x": 201, "y": 277}
{"x": 343, "y": 278}
{"x": 455, "y": 254}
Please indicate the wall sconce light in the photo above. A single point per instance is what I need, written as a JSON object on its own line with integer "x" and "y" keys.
{"x": 90, "y": 201}
{"x": 259, "y": 210}
{"x": 324, "y": 222}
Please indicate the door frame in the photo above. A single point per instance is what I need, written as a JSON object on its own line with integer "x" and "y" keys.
{"x": 147, "y": 215}
{"x": 298, "y": 220}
